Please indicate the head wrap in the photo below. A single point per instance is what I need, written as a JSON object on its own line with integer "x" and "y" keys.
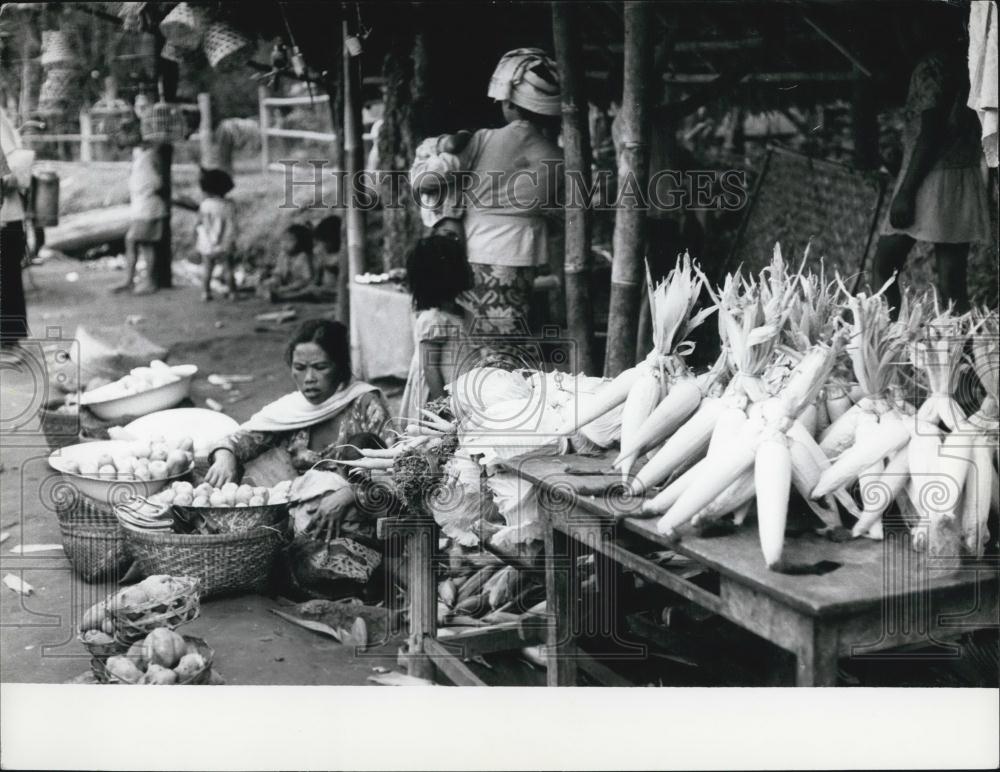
{"x": 514, "y": 80}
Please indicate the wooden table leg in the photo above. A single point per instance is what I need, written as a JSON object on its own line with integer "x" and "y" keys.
{"x": 559, "y": 579}
{"x": 816, "y": 658}
{"x": 420, "y": 541}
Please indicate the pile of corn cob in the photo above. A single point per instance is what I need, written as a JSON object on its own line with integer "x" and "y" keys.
{"x": 481, "y": 587}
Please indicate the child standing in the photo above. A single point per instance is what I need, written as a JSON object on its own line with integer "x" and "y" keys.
{"x": 294, "y": 270}
{"x": 148, "y": 205}
{"x": 216, "y": 229}
{"x": 437, "y": 273}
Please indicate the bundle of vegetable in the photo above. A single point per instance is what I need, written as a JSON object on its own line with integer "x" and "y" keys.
{"x": 869, "y": 440}
{"x": 750, "y": 320}
{"x": 983, "y": 492}
{"x": 665, "y": 393}
{"x": 755, "y": 461}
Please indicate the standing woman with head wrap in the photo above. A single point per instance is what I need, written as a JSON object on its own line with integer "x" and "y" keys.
{"x": 516, "y": 172}
{"x": 15, "y": 180}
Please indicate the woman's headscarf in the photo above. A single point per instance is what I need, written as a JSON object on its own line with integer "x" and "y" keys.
{"x": 516, "y": 79}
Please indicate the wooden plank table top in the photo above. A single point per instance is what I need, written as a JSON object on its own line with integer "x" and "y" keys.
{"x": 868, "y": 572}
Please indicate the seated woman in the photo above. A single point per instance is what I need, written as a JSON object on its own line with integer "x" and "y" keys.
{"x": 314, "y": 422}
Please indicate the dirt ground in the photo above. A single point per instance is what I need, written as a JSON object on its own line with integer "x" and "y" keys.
{"x": 252, "y": 645}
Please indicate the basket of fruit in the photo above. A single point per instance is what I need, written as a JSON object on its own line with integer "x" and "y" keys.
{"x": 144, "y": 390}
{"x": 162, "y": 658}
{"x": 229, "y": 509}
{"x": 223, "y": 563}
{"x": 159, "y": 600}
{"x": 110, "y": 471}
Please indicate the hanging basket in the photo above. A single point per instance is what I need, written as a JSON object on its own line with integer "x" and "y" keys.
{"x": 109, "y": 116}
{"x": 56, "y": 50}
{"x": 184, "y": 27}
{"x": 59, "y": 86}
{"x": 226, "y": 48}
{"x": 162, "y": 122}
{"x": 131, "y": 16}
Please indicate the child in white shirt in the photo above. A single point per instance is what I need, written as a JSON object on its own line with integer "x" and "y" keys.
{"x": 216, "y": 229}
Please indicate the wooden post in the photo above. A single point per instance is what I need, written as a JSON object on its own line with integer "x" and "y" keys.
{"x": 633, "y": 173}
{"x": 205, "y": 130}
{"x": 421, "y": 540}
{"x": 265, "y": 158}
{"x": 864, "y": 123}
{"x": 86, "y": 136}
{"x": 576, "y": 147}
{"x": 353, "y": 160}
{"x": 161, "y": 273}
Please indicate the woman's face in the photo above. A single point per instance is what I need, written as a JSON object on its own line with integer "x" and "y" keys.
{"x": 313, "y": 372}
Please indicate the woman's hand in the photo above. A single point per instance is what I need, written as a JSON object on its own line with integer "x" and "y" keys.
{"x": 902, "y": 212}
{"x": 223, "y": 469}
{"x": 333, "y": 509}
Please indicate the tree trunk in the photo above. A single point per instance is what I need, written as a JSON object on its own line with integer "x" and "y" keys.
{"x": 576, "y": 147}
{"x": 633, "y": 172}
{"x": 161, "y": 274}
{"x": 353, "y": 161}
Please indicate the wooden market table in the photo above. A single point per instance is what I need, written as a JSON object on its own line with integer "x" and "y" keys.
{"x": 873, "y": 596}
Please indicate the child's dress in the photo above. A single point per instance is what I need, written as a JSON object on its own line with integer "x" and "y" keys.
{"x": 216, "y": 231}
{"x": 431, "y": 324}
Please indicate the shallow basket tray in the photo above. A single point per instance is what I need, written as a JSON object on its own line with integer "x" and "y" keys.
{"x": 136, "y": 622}
{"x": 203, "y": 676}
{"x": 232, "y": 519}
{"x": 224, "y": 563}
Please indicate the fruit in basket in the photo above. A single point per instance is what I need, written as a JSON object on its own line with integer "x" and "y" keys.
{"x": 261, "y": 491}
{"x": 159, "y": 452}
{"x": 137, "y": 654}
{"x": 243, "y": 494}
{"x": 177, "y": 461}
{"x": 184, "y": 500}
{"x": 159, "y": 588}
{"x": 105, "y": 459}
{"x": 141, "y": 449}
{"x": 88, "y": 468}
{"x": 200, "y": 501}
{"x": 72, "y": 466}
{"x": 123, "y": 669}
{"x": 97, "y": 637}
{"x": 186, "y": 444}
{"x": 189, "y": 665}
{"x": 107, "y": 471}
{"x": 93, "y": 617}
{"x": 204, "y": 489}
{"x": 158, "y": 676}
{"x": 164, "y": 647}
{"x": 217, "y": 499}
{"x": 256, "y": 501}
{"x": 130, "y": 597}
{"x": 158, "y": 469}
{"x": 108, "y": 626}
{"x": 143, "y": 473}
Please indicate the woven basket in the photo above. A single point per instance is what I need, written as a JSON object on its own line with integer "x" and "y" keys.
{"x": 95, "y": 552}
{"x": 184, "y": 26}
{"x": 99, "y": 653}
{"x": 224, "y": 563}
{"x": 56, "y": 50}
{"x": 201, "y": 677}
{"x": 59, "y": 86}
{"x": 136, "y": 622}
{"x": 162, "y": 122}
{"x": 225, "y": 47}
{"x": 208, "y": 520}
{"x": 73, "y": 508}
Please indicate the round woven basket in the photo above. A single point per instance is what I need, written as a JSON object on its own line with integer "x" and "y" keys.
{"x": 229, "y": 519}
{"x": 75, "y": 509}
{"x": 225, "y": 47}
{"x": 136, "y": 622}
{"x": 224, "y": 563}
{"x": 95, "y": 552}
{"x": 56, "y": 50}
{"x": 201, "y": 677}
{"x": 184, "y": 26}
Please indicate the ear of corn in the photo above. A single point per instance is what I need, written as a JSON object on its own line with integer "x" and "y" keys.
{"x": 727, "y": 425}
{"x": 879, "y": 494}
{"x": 837, "y": 402}
{"x": 689, "y": 441}
{"x": 840, "y": 433}
{"x": 642, "y": 400}
{"x": 712, "y": 480}
{"x": 772, "y": 479}
{"x": 873, "y": 443}
{"x": 732, "y": 498}
{"x": 672, "y": 411}
{"x": 809, "y": 418}
{"x": 666, "y": 498}
{"x": 976, "y": 498}
{"x": 805, "y": 474}
{"x": 590, "y": 407}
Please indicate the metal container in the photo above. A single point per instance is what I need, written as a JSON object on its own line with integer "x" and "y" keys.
{"x": 45, "y": 198}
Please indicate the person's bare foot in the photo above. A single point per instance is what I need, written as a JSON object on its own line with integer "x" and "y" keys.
{"x": 121, "y": 288}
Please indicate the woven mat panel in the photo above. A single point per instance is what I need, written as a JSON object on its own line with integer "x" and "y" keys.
{"x": 800, "y": 198}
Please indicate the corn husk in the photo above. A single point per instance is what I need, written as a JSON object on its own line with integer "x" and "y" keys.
{"x": 937, "y": 353}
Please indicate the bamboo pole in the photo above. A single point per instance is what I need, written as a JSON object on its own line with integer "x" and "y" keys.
{"x": 576, "y": 147}
{"x": 205, "y": 132}
{"x": 265, "y": 120}
{"x": 353, "y": 160}
{"x": 633, "y": 172}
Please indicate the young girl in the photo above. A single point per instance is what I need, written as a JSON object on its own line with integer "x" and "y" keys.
{"x": 216, "y": 230}
{"x": 437, "y": 273}
{"x": 294, "y": 269}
